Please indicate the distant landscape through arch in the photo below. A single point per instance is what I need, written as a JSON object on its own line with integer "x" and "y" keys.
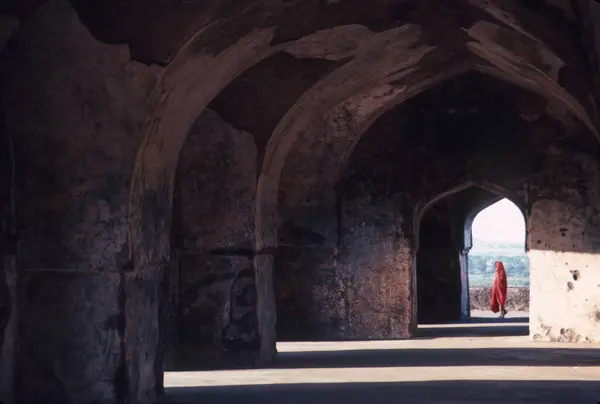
{"x": 498, "y": 234}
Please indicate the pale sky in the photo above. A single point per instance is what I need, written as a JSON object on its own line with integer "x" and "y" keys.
{"x": 502, "y": 221}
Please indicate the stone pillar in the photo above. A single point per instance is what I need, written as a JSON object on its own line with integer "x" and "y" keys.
{"x": 218, "y": 326}
{"x": 88, "y": 331}
{"x": 78, "y": 298}
{"x": 376, "y": 265}
{"x": 214, "y": 225}
{"x": 8, "y": 275}
{"x": 70, "y": 340}
{"x": 73, "y": 105}
{"x": 8, "y": 326}
{"x": 142, "y": 347}
{"x": 265, "y": 307}
{"x": 311, "y": 303}
{"x": 465, "y": 301}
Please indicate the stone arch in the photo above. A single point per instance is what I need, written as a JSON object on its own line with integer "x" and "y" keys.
{"x": 422, "y": 207}
{"x": 124, "y": 291}
{"x": 494, "y": 59}
{"x": 195, "y": 76}
{"x": 468, "y": 238}
{"x": 505, "y": 63}
{"x": 477, "y": 209}
{"x": 459, "y": 256}
{"x": 522, "y": 296}
{"x": 198, "y": 73}
{"x": 186, "y": 87}
{"x": 343, "y": 127}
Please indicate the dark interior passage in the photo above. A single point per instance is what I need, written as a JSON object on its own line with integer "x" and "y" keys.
{"x": 438, "y": 268}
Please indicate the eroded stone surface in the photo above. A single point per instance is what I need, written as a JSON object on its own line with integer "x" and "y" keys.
{"x": 563, "y": 268}
{"x": 8, "y": 26}
{"x": 342, "y": 125}
{"x": 72, "y": 213}
{"x": 70, "y": 346}
{"x": 213, "y": 232}
{"x": 81, "y": 175}
{"x": 8, "y": 326}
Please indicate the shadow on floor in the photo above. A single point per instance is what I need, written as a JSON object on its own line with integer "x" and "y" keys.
{"x": 439, "y": 357}
{"x": 476, "y": 327}
{"x": 509, "y": 330}
{"x": 495, "y": 320}
{"x": 418, "y": 357}
{"x": 468, "y": 391}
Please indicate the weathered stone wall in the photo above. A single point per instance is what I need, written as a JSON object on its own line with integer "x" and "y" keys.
{"x": 213, "y": 234}
{"x": 8, "y": 270}
{"x": 311, "y": 292}
{"x": 565, "y": 241}
{"x": 376, "y": 263}
{"x": 75, "y": 141}
{"x": 75, "y": 107}
{"x": 345, "y": 273}
{"x": 311, "y": 296}
{"x": 311, "y": 300}
{"x": 8, "y": 321}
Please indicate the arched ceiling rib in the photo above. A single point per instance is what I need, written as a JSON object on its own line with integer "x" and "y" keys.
{"x": 505, "y": 51}
{"x": 482, "y": 35}
{"x": 495, "y": 192}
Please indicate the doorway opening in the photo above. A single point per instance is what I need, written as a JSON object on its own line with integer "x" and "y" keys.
{"x": 498, "y": 233}
{"x": 461, "y": 234}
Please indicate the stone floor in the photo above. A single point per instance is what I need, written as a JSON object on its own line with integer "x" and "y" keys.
{"x": 486, "y": 361}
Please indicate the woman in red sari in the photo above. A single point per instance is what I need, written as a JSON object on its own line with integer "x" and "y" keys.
{"x": 499, "y": 289}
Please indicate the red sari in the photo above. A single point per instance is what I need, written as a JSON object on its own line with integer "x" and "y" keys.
{"x": 498, "y": 298}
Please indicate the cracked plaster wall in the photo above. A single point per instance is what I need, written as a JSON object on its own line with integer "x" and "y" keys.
{"x": 564, "y": 264}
